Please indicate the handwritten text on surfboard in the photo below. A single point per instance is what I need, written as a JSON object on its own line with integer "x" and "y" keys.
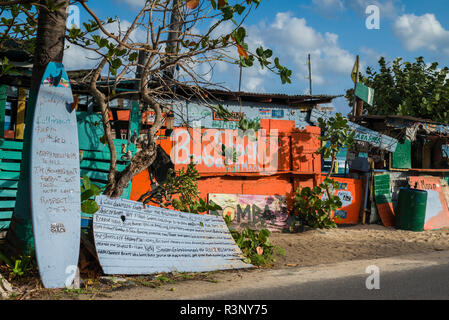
{"x": 57, "y": 166}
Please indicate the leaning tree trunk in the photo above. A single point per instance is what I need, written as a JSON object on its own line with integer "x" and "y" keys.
{"x": 118, "y": 181}
{"x": 49, "y": 46}
{"x": 141, "y": 160}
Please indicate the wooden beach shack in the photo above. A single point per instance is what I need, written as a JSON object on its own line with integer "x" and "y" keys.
{"x": 255, "y": 188}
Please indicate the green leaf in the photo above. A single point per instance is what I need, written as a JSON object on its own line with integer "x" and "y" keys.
{"x": 87, "y": 194}
{"x": 89, "y": 206}
{"x": 86, "y": 182}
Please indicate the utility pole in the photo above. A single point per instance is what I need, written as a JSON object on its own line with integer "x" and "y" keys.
{"x": 354, "y": 108}
{"x": 240, "y": 77}
{"x": 310, "y": 75}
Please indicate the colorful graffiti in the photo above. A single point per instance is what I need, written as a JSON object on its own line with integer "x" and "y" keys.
{"x": 437, "y": 209}
{"x": 216, "y": 150}
{"x": 254, "y": 211}
{"x": 350, "y": 193}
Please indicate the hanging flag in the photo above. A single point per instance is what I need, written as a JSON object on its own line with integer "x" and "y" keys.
{"x": 365, "y": 93}
{"x": 354, "y": 70}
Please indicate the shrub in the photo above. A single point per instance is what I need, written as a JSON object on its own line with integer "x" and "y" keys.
{"x": 255, "y": 245}
{"x": 314, "y": 208}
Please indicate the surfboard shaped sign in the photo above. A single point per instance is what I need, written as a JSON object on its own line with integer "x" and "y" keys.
{"x": 55, "y": 180}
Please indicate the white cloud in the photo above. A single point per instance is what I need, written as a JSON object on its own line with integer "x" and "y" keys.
{"x": 76, "y": 58}
{"x": 371, "y": 56}
{"x": 292, "y": 40}
{"x": 388, "y": 8}
{"x": 253, "y": 84}
{"x": 328, "y": 6}
{"x": 421, "y": 32}
{"x": 135, "y": 3}
{"x": 137, "y": 35}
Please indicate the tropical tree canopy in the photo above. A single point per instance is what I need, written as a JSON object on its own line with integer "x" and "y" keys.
{"x": 416, "y": 89}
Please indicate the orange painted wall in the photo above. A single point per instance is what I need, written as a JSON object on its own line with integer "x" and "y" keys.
{"x": 298, "y": 166}
{"x": 352, "y": 211}
{"x": 295, "y": 157}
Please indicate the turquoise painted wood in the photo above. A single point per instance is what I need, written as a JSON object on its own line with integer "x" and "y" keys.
{"x": 13, "y": 155}
{"x": 4, "y": 225}
{"x": 11, "y": 144}
{"x": 7, "y": 204}
{"x": 10, "y": 175}
{"x": 2, "y": 109}
{"x": 97, "y": 165}
{"x": 10, "y": 166}
{"x": 94, "y": 160}
{"x": 9, "y": 179}
{"x": 5, "y": 215}
{"x": 11, "y": 184}
{"x": 10, "y": 193}
{"x": 54, "y": 172}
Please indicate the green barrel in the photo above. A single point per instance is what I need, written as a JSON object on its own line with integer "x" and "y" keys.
{"x": 411, "y": 209}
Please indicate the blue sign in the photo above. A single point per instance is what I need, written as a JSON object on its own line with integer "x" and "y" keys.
{"x": 277, "y": 114}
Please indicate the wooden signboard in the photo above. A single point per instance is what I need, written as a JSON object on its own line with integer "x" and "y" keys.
{"x": 402, "y": 157}
{"x": 130, "y": 239}
{"x": 363, "y": 134}
{"x": 382, "y": 196}
{"x": 55, "y": 179}
{"x": 350, "y": 193}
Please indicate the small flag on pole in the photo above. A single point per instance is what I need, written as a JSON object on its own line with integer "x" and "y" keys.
{"x": 355, "y": 70}
{"x": 365, "y": 93}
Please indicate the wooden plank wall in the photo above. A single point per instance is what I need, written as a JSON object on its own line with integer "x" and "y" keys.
{"x": 94, "y": 164}
{"x": 10, "y": 158}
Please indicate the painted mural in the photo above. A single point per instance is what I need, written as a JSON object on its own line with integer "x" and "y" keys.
{"x": 192, "y": 112}
{"x": 350, "y": 193}
{"x": 215, "y": 150}
{"x": 254, "y": 211}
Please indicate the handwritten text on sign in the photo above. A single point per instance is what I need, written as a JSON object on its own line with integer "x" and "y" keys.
{"x": 133, "y": 240}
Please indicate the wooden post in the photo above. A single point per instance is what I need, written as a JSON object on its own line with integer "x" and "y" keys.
{"x": 21, "y": 106}
{"x": 355, "y": 84}
{"x": 2, "y": 109}
{"x": 310, "y": 75}
{"x": 359, "y": 107}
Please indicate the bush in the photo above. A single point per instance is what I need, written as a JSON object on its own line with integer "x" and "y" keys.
{"x": 314, "y": 208}
{"x": 255, "y": 245}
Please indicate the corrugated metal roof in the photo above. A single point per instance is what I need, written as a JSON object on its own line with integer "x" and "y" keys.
{"x": 407, "y": 118}
{"x": 290, "y": 99}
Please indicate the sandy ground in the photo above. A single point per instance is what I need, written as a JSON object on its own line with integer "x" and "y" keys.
{"x": 303, "y": 250}
{"x": 316, "y": 247}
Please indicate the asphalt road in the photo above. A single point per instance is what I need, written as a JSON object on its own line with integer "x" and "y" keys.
{"x": 419, "y": 282}
{"x": 430, "y": 283}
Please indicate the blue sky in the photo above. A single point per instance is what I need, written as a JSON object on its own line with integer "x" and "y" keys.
{"x": 333, "y": 32}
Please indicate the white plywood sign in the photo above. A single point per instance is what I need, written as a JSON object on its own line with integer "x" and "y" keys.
{"x": 131, "y": 239}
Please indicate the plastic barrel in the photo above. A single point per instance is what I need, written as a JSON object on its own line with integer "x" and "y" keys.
{"x": 411, "y": 209}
